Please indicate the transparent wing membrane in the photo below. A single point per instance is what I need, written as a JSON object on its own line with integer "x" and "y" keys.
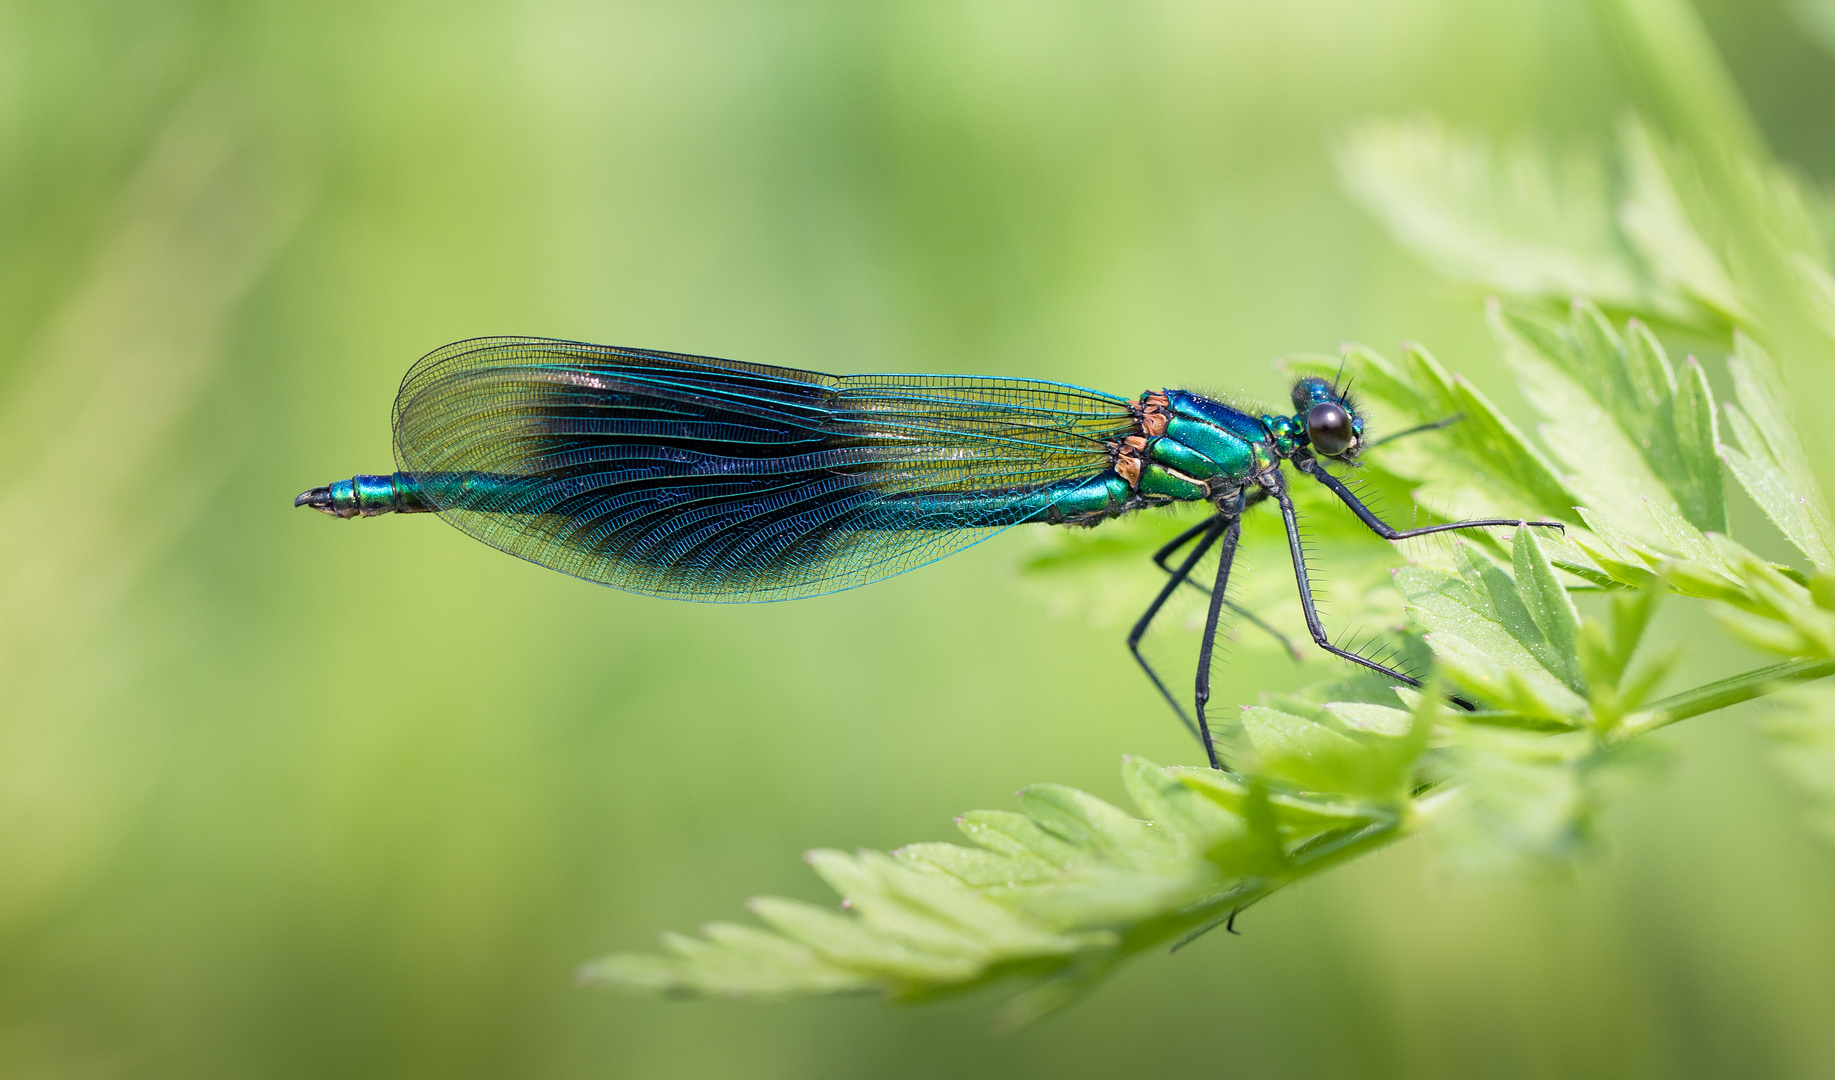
{"x": 704, "y": 479}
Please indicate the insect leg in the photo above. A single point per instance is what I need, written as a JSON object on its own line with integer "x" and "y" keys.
{"x": 1377, "y": 525}
{"x": 1212, "y": 529}
{"x": 1202, "y": 692}
{"x": 1179, "y": 541}
{"x": 1278, "y": 486}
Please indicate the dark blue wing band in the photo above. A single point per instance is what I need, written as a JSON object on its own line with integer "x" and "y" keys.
{"x": 705, "y": 479}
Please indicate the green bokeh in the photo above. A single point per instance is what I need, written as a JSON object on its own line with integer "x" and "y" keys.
{"x": 281, "y": 796}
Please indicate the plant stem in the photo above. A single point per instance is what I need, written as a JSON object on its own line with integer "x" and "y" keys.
{"x": 1719, "y": 695}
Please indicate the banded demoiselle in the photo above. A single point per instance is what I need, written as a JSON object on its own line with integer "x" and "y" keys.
{"x": 702, "y": 479}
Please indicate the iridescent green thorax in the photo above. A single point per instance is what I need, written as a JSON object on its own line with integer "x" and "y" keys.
{"x": 1287, "y": 432}
{"x": 1190, "y": 448}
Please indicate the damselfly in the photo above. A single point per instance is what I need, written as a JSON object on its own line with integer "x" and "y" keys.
{"x": 713, "y": 480}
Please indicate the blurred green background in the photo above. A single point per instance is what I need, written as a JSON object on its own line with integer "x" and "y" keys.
{"x": 287, "y": 797}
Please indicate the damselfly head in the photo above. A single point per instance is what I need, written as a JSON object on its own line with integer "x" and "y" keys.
{"x": 1330, "y": 418}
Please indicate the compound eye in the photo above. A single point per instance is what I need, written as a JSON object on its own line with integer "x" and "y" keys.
{"x": 1329, "y": 427}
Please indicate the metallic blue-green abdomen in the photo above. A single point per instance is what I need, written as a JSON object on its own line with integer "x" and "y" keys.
{"x": 1099, "y": 496}
{"x": 367, "y": 496}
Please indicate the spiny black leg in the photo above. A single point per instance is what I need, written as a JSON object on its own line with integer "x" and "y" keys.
{"x": 1317, "y": 471}
{"x": 1212, "y": 529}
{"x": 1277, "y": 485}
{"x": 1202, "y": 695}
{"x": 1179, "y": 541}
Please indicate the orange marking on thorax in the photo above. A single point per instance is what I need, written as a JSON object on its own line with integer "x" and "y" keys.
{"x": 1127, "y": 456}
{"x": 1152, "y": 414}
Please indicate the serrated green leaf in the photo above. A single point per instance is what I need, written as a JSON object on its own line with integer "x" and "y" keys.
{"x": 731, "y": 961}
{"x": 1085, "y": 821}
{"x": 1375, "y": 719}
{"x": 1698, "y": 582}
{"x": 1531, "y": 222}
{"x": 1614, "y": 545}
{"x": 1480, "y": 464}
{"x": 1260, "y": 848}
{"x": 1523, "y": 220}
{"x": 1376, "y": 376}
{"x": 1617, "y": 417}
{"x": 1492, "y": 437}
{"x": 1659, "y": 227}
{"x": 848, "y": 945}
{"x": 1016, "y": 835}
{"x": 1301, "y": 753}
{"x": 1567, "y": 553}
{"x": 1698, "y": 480}
{"x": 1297, "y": 817}
{"x": 975, "y": 866}
{"x": 1607, "y": 650}
{"x": 755, "y": 954}
{"x": 1768, "y": 609}
{"x": 1608, "y": 653}
{"x": 1485, "y": 637}
{"x": 1530, "y": 800}
{"x": 1682, "y": 539}
{"x": 1195, "y": 822}
{"x": 1761, "y": 632}
{"x": 939, "y": 918}
{"x": 1549, "y": 606}
{"x": 904, "y": 905}
{"x": 1770, "y": 462}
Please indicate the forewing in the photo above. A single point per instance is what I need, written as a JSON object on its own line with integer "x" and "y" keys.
{"x": 705, "y": 479}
